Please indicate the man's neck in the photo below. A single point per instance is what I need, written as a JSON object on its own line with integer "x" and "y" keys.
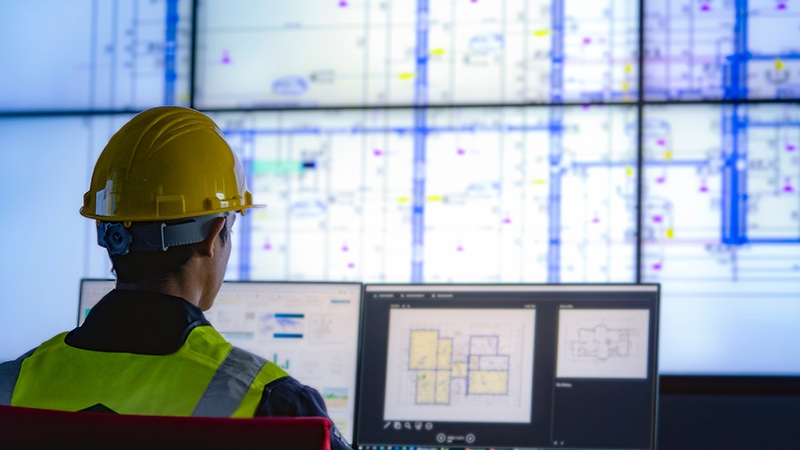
{"x": 177, "y": 285}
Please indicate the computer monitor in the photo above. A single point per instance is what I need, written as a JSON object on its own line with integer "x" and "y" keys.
{"x": 508, "y": 366}
{"x": 308, "y": 329}
{"x": 92, "y": 291}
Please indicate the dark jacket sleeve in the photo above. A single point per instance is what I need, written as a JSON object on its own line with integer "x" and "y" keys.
{"x": 287, "y": 397}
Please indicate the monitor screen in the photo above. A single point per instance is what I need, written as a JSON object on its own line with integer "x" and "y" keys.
{"x": 92, "y": 291}
{"x": 375, "y": 53}
{"x": 86, "y": 55}
{"x": 720, "y": 50}
{"x": 473, "y": 195}
{"x": 308, "y": 329}
{"x": 508, "y": 366}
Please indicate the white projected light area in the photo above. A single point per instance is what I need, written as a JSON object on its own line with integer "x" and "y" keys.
{"x": 472, "y": 365}
{"x": 382, "y": 52}
{"x": 602, "y": 343}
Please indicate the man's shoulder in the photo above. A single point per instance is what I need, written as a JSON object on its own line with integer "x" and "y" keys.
{"x": 14, "y": 362}
{"x": 9, "y": 374}
{"x": 288, "y": 397}
{"x": 289, "y": 385}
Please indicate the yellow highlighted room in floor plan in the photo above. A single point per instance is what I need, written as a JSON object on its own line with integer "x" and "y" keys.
{"x": 488, "y": 382}
{"x": 445, "y": 354}
{"x": 426, "y": 387}
{"x": 423, "y": 350}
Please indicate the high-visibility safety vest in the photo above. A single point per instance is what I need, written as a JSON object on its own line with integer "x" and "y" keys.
{"x": 207, "y": 376}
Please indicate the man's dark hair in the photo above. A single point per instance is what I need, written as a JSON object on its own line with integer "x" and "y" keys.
{"x": 141, "y": 266}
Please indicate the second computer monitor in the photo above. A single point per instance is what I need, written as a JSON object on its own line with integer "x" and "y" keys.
{"x": 508, "y": 366}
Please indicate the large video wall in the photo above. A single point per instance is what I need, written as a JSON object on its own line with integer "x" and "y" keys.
{"x": 456, "y": 141}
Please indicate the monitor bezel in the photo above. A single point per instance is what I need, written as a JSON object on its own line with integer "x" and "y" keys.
{"x": 542, "y": 287}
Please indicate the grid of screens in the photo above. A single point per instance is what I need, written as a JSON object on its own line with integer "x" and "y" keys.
{"x": 508, "y": 366}
{"x": 308, "y": 329}
{"x": 454, "y": 159}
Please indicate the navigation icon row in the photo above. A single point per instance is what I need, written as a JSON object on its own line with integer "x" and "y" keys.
{"x": 398, "y": 425}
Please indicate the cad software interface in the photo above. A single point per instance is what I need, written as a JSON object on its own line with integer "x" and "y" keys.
{"x": 508, "y": 366}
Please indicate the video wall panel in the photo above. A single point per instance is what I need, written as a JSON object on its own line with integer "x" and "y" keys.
{"x": 478, "y": 194}
{"x": 86, "y": 55}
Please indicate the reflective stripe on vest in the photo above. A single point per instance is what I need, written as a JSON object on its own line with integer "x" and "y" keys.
{"x": 9, "y": 372}
{"x": 204, "y": 377}
{"x": 230, "y": 384}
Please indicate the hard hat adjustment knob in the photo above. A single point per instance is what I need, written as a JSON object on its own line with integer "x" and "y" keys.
{"x": 114, "y": 237}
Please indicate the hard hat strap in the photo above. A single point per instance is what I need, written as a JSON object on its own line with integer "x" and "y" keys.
{"x": 154, "y": 236}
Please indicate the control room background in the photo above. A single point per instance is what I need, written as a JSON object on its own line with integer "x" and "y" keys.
{"x": 437, "y": 141}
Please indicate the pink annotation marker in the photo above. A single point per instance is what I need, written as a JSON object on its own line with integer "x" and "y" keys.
{"x": 461, "y": 151}
{"x": 657, "y": 266}
{"x": 226, "y": 57}
{"x": 788, "y": 185}
{"x": 345, "y": 248}
{"x": 267, "y": 246}
{"x": 790, "y": 148}
{"x": 377, "y": 152}
{"x": 661, "y": 142}
{"x": 658, "y": 219}
{"x": 459, "y": 249}
{"x": 342, "y": 4}
{"x": 661, "y": 179}
{"x": 351, "y": 266}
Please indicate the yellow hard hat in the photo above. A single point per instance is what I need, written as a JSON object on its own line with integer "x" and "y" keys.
{"x": 166, "y": 163}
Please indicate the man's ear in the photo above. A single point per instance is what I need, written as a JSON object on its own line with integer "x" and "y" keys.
{"x": 207, "y": 246}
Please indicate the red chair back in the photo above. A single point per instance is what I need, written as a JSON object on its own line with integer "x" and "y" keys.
{"x": 39, "y": 428}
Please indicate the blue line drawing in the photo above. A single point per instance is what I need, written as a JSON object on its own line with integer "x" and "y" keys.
{"x": 486, "y": 189}
{"x": 309, "y": 208}
{"x": 170, "y": 48}
{"x": 730, "y": 50}
{"x": 420, "y": 120}
{"x": 487, "y": 43}
{"x": 556, "y": 139}
{"x": 290, "y": 86}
